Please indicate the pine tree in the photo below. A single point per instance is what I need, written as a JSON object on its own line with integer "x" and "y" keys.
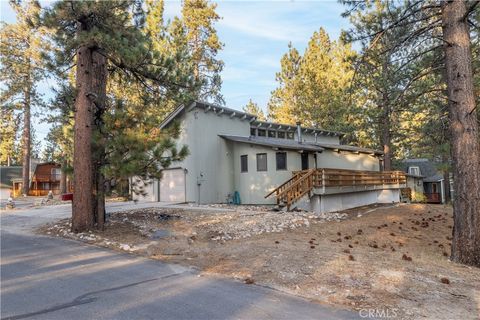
{"x": 9, "y": 124}
{"x": 283, "y": 101}
{"x": 313, "y": 88}
{"x": 198, "y": 18}
{"x": 103, "y": 39}
{"x": 254, "y": 109}
{"x": 388, "y": 80}
{"x": 437, "y": 24}
{"x": 21, "y": 69}
{"x": 60, "y": 137}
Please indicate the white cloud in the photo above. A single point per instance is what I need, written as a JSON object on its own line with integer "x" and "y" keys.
{"x": 279, "y": 21}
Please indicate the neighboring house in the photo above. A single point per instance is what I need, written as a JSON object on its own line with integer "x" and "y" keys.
{"x": 428, "y": 179}
{"x": 415, "y": 183}
{"x": 8, "y": 174}
{"x": 235, "y": 156}
{"x": 45, "y": 178}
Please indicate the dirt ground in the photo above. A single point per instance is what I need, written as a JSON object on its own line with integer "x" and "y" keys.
{"x": 383, "y": 258}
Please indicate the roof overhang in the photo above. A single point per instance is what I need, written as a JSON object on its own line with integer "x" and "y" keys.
{"x": 273, "y": 143}
{"x": 232, "y": 113}
{"x": 352, "y": 149}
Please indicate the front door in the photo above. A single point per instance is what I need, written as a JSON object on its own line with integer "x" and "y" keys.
{"x": 304, "y": 161}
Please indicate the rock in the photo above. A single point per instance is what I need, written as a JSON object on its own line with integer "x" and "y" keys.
{"x": 159, "y": 234}
{"x": 125, "y": 247}
{"x": 169, "y": 251}
{"x": 445, "y": 281}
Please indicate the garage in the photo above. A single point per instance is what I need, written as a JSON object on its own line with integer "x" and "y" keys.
{"x": 172, "y": 185}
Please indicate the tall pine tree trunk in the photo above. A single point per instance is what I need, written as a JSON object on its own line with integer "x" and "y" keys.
{"x": 82, "y": 214}
{"x": 26, "y": 141}
{"x": 386, "y": 142}
{"x": 464, "y": 133}
{"x": 446, "y": 178}
{"x": 99, "y": 86}
{"x": 386, "y": 135}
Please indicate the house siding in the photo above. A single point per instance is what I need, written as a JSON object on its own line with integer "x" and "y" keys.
{"x": 348, "y": 160}
{"x": 213, "y": 165}
{"x": 210, "y": 162}
{"x": 253, "y": 186}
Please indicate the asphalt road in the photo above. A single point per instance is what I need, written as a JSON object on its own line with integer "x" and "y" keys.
{"x": 52, "y": 278}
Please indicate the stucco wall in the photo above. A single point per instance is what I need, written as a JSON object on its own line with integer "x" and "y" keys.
{"x": 210, "y": 162}
{"x": 416, "y": 186}
{"x": 347, "y": 160}
{"x": 253, "y": 186}
{"x": 143, "y": 190}
{"x": 308, "y": 137}
{"x": 343, "y": 201}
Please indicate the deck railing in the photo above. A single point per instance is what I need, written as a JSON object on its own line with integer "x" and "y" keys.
{"x": 303, "y": 182}
{"x": 433, "y": 197}
{"x": 46, "y": 177}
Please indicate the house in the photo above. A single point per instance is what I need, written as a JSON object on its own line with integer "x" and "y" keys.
{"x": 428, "y": 179}
{"x": 235, "y": 155}
{"x": 8, "y": 174}
{"x": 44, "y": 177}
{"x": 415, "y": 185}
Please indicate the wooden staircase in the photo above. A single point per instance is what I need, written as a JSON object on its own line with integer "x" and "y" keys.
{"x": 303, "y": 182}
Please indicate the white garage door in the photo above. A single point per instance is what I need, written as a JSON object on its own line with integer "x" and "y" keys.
{"x": 172, "y": 185}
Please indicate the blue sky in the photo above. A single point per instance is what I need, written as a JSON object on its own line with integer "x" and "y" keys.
{"x": 256, "y": 35}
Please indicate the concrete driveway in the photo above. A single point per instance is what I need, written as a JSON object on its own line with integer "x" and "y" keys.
{"x": 52, "y": 278}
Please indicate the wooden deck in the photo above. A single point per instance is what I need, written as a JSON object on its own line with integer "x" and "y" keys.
{"x": 433, "y": 197}
{"x": 334, "y": 180}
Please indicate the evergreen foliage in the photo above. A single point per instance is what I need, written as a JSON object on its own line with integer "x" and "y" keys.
{"x": 21, "y": 69}
{"x": 313, "y": 87}
{"x": 198, "y": 19}
{"x": 254, "y": 109}
{"x": 142, "y": 82}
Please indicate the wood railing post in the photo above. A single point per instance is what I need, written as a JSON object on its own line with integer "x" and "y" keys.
{"x": 323, "y": 181}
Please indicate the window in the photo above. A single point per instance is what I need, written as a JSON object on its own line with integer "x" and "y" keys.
{"x": 262, "y": 132}
{"x": 56, "y": 173}
{"x": 290, "y": 135}
{"x": 414, "y": 171}
{"x": 281, "y": 134}
{"x": 261, "y": 162}
{"x": 244, "y": 163}
{"x": 253, "y": 132}
{"x": 272, "y": 134}
{"x": 281, "y": 158}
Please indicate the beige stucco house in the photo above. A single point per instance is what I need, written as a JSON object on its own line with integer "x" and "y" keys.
{"x": 232, "y": 152}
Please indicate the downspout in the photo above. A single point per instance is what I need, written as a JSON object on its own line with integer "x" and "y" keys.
{"x": 442, "y": 190}
{"x": 299, "y": 132}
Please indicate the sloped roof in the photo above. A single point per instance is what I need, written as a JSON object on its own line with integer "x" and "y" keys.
{"x": 273, "y": 142}
{"x": 427, "y": 169}
{"x": 7, "y": 174}
{"x": 242, "y": 115}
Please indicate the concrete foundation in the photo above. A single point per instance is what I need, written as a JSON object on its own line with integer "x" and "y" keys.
{"x": 341, "y": 201}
